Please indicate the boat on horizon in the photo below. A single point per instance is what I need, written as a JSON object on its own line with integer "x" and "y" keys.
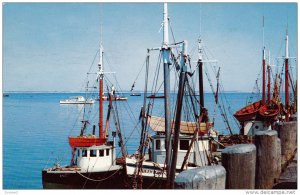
{"x": 135, "y": 94}
{"x": 77, "y": 100}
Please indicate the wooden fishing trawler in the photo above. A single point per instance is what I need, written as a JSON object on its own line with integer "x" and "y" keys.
{"x": 94, "y": 162}
{"x": 269, "y": 112}
{"x": 249, "y": 112}
{"x": 176, "y": 144}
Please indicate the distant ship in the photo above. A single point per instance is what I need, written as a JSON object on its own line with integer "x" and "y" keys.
{"x": 135, "y": 94}
{"x": 77, "y": 100}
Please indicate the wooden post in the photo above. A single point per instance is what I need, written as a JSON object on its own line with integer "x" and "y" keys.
{"x": 265, "y": 142}
{"x": 239, "y": 161}
{"x": 287, "y": 132}
{"x": 293, "y": 117}
{"x": 278, "y": 159}
{"x": 203, "y": 178}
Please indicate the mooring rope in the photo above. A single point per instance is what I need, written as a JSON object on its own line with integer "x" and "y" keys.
{"x": 98, "y": 180}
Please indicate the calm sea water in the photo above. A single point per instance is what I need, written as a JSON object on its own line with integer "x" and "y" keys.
{"x": 36, "y": 129}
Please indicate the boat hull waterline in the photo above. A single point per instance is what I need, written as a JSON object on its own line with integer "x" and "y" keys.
{"x": 81, "y": 180}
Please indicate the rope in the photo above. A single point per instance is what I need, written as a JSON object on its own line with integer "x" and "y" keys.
{"x": 139, "y": 73}
{"x": 98, "y": 180}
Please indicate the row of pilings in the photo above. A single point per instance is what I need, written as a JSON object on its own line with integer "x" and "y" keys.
{"x": 247, "y": 166}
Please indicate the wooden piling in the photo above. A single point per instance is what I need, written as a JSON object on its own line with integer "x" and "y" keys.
{"x": 239, "y": 162}
{"x": 278, "y": 159}
{"x": 266, "y": 167}
{"x": 204, "y": 178}
{"x": 293, "y": 117}
{"x": 287, "y": 132}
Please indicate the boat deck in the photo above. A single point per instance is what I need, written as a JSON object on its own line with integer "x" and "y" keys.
{"x": 64, "y": 169}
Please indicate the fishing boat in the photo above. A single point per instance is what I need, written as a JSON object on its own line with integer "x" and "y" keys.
{"x": 155, "y": 96}
{"x": 77, "y": 100}
{"x": 269, "y": 111}
{"x": 249, "y": 112}
{"x": 135, "y": 94}
{"x": 94, "y": 162}
{"x": 115, "y": 98}
{"x": 262, "y": 114}
{"x": 176, "y": 144}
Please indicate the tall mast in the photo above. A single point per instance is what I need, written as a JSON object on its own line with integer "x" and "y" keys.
{"x": 200, "y": 71}
{"x": 287, "y": 74}
{"x": 180, "y": 95}
{"x": 100, "y": 77}
{"x": 269, "y": 77}
{"x": 166, "y": 64}
{"x": 264, "y": 69}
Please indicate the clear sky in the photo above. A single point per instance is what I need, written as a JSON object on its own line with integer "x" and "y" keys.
{"x": 50, "y": 46}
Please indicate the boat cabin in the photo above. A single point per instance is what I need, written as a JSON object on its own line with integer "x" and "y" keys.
{"x": 95, "y": 158}
{"x": 251, "y": 127}
{"x": 197, "y": 156}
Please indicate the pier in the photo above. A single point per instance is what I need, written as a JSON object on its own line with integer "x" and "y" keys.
{"x": 270, "y": 163}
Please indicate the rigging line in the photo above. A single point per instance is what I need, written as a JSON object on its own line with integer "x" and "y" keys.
{"x": 140, "y": 70}
{"x": 157, "y": 70}
{"x": 192, "y": 51}
{"x": 219, "y": 106}
{"x": 281, "y": 79}
{"x": 89, "y": 69}
{"x": 120, "y": 89}
{"x": 172, "y": 67}
{"x": 135, "y": 128}
{"x": 223, "y": 96}
{"x": 205, "y": 48}
{"x": 173, "y": 35}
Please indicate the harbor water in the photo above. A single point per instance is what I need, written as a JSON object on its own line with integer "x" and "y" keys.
{"x": 36, "y": 129}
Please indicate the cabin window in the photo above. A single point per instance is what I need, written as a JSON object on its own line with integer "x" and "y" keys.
{"x": 101, "y": 153}
{"x": 78, "y": 152}
{"x": 107, "y": 152}
{"x": 84, "y": 153}
{"x": 157, "y": 144}
{"x": 93, "y": 153}
{"x": 183, "y": 144}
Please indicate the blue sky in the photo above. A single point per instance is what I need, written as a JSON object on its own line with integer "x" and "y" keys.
{"x": 50, "y": 46}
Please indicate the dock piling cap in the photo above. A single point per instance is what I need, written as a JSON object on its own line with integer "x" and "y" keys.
{"x": 268, "y": 132}
{"x": 201, "y": 174}
{"x": 239, "y": 149}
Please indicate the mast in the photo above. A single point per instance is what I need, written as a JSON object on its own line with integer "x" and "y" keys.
{"x": 101, "y": 75}
{"x": 287, "y": 75}
{"x": 166, "y": 64}
{"x": 180, "y": 94}
{"x": 269, "y": 78}
{"x": 264, "y": 76}
{"x": 200, "y": 72}
{"x": 264, "y": 69}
